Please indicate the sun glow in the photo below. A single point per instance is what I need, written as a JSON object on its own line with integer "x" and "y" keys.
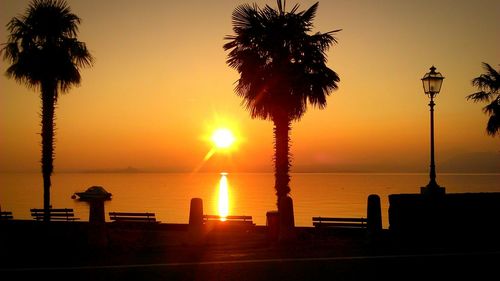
{"x": 223, "y": 197}
{"x": 223, "y": 138}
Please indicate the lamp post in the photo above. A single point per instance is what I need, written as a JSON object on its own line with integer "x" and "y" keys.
{"x": 432, "y": 82}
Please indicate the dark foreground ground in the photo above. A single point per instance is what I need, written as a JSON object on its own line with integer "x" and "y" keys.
{"x": 74, "y": 251}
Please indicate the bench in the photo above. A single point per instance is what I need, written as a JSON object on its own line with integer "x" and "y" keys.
{"x": 232, "y": 219}
{"x": 63, "y": 214}
{"x": 6, "y": 215}
{"x": 339, "y": 222}
{"x": 132, "y": 217}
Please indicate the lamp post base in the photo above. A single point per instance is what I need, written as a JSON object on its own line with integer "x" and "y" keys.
{"x": 432, "y": 190}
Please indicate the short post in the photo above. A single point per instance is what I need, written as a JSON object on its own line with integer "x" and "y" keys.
{"x": 97, "y": 227}
{"x": 374, "y": 215}
{"x": 196, "y": 220}
{"x": 286, "y": 219}
{"x": 95, "y": 196}
{"x": 96, "y": 211}
{"x": 196, "y": 212}
{"x": 272, "y": 223}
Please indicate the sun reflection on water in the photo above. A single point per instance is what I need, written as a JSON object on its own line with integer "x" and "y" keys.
{"x": 223, "y": 197}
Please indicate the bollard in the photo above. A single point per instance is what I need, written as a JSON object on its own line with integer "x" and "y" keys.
{"x": 286, "y": 219}
{"x": 272, "y": 223}
{"x": 97, "y": 238}
{"x": 95, "y": 196}
{"x": 195, "y": 220}
{"x": 196, "y": 212}
{"x": 96, "y": 211}
{"x": 374, "y": 215}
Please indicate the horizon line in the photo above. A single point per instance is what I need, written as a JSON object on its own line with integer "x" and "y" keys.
{"x": 167, "y": 171}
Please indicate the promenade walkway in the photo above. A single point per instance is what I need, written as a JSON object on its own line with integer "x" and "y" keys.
{"x": 231, "y": 255}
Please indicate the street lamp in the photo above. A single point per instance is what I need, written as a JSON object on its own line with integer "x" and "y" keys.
{"x": 432, "y": 82}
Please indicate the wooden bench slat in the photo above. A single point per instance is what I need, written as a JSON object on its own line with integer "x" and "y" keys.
{"x": 131, "y": 214}
{"x": 320, "y": 219}
{"x": 57, "y": 214}
{"x": 239, "y": 217}
{"x": 217, "y": 217}
{"x": 72, "y": 217}
{"x": 53, "y": 210}
{"x": 228, "y": 217}
{"x": 54, "y": 214}
{"x": 331, "y": 222}
{"x": 233, "y": 220}
{"x": 60, "y": 218}
{"x": 132, "y": 217}
{"x": 57, "y": 219}
{"x": 339, "y": 224}
{"x": 4, "y": 215}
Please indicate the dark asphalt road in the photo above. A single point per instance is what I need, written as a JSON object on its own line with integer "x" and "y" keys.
{"x": 466, "y": 266}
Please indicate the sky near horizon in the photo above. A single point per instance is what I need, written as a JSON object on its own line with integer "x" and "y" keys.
{"x": 160, "y": 85}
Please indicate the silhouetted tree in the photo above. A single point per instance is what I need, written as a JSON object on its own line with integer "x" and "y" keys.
{"x": 45, "y": 54}
{"x": 282, "y": 69}
{"x": 488, "y": 85}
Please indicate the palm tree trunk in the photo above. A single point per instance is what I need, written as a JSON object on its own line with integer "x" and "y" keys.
{"x": 48, "y": 96}
{"x": 282, "y": 127}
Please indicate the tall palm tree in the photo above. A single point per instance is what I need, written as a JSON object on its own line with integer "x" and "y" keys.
{"x": 45, "y": 54}
{"x": 488, "y": 85}
{"x": 282, "y": 69}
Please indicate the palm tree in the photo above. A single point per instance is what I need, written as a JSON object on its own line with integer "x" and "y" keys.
{"x": 282, "y": 69}
{"x": 488, "y": 85}
{"x": 45, "y": 54}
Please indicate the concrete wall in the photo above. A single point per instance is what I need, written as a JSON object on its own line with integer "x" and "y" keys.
{"x": 447, "y": 217}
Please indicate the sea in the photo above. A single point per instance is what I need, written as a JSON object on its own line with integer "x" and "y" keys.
{"x": 168, "y": 195}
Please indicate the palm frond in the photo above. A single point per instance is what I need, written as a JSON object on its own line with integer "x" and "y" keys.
{"x": 281, "y": 9}
{"x": 480, "y": 96}
{"x": 294, "y": 9}
{"x": 488, "y": 85}
{"x": 77, "y": 52}
{"x": 482, "y": 82}
{"x": 17, "y": 29}
{"x": 493, "y": 107}
{"x": 10, "y": 51}
{"x": 310, "y": 14}
{"x": 489, "y": 81}
{"x": 491, "y": 72}
{"x": 243, "y": 16}
{"x": 493, "y": 125}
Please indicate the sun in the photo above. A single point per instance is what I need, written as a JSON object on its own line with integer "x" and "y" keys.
{"x": 223, "y": 138}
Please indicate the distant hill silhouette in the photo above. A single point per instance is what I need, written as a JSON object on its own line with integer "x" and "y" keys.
{"x": 117, "y": 170}
{"x": 476, "y": 162}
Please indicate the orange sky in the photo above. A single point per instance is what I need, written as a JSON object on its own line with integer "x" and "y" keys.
{"x": 160, "y": 85}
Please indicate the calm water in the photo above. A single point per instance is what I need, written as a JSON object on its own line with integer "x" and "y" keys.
{"x": 169, "y": 195}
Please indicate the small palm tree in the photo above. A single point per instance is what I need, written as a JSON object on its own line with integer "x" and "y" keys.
{"x": 282, "y": 69}
{"x": 488, "y": 85}
{"x": 45, "y": 54}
